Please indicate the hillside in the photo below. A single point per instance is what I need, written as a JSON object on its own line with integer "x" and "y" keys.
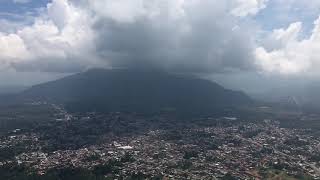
{"x": 136, "y": 91}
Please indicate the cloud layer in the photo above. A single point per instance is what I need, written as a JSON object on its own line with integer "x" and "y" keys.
{"x": 289, "y": 53}
{"x": 60, "y": 39}
{"x": 182, "y": 36}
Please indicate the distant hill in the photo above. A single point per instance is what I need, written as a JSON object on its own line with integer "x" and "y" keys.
{"x": 136, "y": 91}
{"x": 304, "y": 97}
{"x": 5, "y": 90}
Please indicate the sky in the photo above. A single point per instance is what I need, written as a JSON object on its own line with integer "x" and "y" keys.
{"x": 250, "y": 45}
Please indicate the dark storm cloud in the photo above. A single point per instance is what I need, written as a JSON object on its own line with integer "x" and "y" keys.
{"x": 51, "y": 66}
{"x": 200, "y": 41}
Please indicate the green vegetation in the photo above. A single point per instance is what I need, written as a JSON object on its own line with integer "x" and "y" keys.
{"x": 23, "y": 116}
{"x": 17, "y": 172}
{"x": 190, "y": 154}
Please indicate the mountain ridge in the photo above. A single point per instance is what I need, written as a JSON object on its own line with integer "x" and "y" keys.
{"x": 129, "y": 90}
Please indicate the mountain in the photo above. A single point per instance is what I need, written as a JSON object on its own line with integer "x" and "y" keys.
{"x": 5, "y": 90}
{"x": 136, "y": 91}
{"x": 303, "y": 97}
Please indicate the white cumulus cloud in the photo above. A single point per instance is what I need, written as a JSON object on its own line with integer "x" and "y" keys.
{"x": 295, "y": 55}
{"x": 61, "y": 36}
{"x": 244, "y": 8}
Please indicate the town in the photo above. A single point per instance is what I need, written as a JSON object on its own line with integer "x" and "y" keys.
{"x": 212, "y": 148}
